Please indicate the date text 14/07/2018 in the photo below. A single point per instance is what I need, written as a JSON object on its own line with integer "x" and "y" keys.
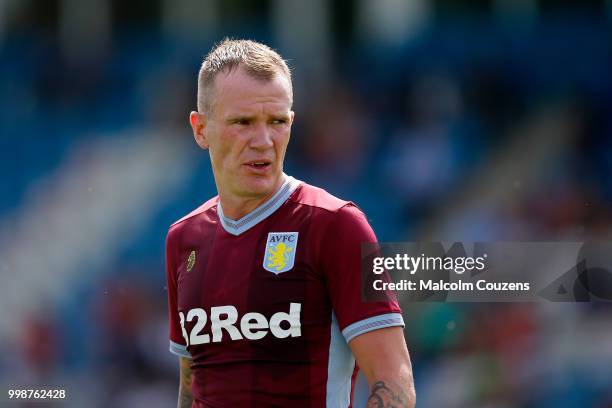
{"x": 440, "y": 285}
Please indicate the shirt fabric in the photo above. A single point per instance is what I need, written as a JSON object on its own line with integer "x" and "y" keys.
{"x": 265, "y": 305}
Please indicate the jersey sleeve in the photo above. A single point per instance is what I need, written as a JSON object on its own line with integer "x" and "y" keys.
{"x": 341, "y": 253}
{"x": 178, "y": 345}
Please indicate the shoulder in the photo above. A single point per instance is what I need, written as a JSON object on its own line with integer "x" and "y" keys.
{"x": 195, "y": 215}
{"x": 316, "y": 197}
{"x": 338, "y": 212}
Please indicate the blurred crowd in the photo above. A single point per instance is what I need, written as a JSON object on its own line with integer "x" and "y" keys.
{"x": 468, "y": 131}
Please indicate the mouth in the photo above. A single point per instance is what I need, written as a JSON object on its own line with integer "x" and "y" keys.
{"x": 259, "y": 164}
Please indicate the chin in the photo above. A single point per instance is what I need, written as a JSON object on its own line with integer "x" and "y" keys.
{"x": 257, "y": 187}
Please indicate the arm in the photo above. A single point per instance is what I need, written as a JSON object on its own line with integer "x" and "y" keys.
{"x": 185, "y": 397}
{"x": 383, "y": 356}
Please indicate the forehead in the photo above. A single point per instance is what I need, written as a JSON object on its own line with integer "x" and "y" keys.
{"x": 238, "y": 90}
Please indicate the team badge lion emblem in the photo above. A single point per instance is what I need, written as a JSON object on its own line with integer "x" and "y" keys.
{"x": 280, "y": 251}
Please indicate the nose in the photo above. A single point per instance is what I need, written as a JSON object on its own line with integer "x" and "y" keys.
{"x": 261, "y": 139}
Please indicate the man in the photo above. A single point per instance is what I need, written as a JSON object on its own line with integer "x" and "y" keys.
{"x": 264, "y": 291}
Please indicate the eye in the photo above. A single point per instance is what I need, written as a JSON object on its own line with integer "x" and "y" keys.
{"x": 241, "y": 121}
{"x": 279, "y": 121}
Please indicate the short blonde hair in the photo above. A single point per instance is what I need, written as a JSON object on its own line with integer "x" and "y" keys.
{"x": 258, "y": 59}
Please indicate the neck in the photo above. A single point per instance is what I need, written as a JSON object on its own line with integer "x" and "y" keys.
{"x": 235, "y": 207}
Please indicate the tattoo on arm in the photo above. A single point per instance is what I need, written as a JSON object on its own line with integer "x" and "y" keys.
{"x": 387, "y": 396}
{"x": 185, "y": 396}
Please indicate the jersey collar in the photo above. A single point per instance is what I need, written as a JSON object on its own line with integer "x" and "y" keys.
{"x": 260, "y": 213}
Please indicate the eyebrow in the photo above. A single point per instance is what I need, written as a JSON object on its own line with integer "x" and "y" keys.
{"x": 233, "y": 118}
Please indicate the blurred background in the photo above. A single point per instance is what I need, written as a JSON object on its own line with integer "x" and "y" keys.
{"x": 442, "y": 119}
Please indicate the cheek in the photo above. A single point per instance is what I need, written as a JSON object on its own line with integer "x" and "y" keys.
{"x": 282, "y": 139}
{"x": 231, "y": 146}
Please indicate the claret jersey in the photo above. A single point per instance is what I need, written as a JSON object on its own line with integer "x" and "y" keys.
{"x": 265, "y": 306}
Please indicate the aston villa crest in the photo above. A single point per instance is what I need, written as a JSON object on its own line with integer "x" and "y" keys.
{"x": 280, "y": 251}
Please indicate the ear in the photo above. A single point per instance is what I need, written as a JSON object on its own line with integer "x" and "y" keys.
{"x": 291, "y": 117}
{"x": 198, "y": 124}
